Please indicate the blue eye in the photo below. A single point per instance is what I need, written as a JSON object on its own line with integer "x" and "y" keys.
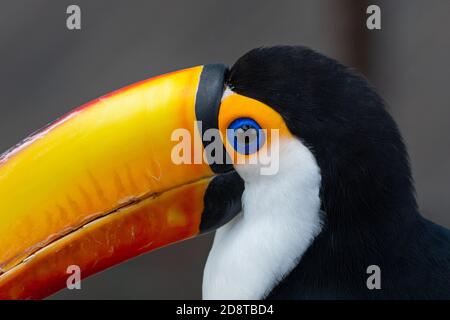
{"x": 246, "y": 135}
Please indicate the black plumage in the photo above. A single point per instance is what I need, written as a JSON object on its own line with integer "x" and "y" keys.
{"x": 368, "y": 199}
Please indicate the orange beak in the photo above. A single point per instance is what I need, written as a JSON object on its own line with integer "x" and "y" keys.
{"x": 99, "y": 186}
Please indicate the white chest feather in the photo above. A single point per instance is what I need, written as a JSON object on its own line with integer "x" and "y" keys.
{"x": 279, "y": 220}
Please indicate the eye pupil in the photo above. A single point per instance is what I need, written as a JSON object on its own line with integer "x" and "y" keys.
{"x": 246, "y": 135}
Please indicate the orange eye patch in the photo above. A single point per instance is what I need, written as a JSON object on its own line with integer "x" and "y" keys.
{"x": 236, "y": 106}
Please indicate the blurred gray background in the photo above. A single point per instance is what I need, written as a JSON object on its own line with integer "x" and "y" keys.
{"x": 46, "y": 70}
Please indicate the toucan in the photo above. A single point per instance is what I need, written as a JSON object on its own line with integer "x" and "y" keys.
{"x": 100, "y": 186}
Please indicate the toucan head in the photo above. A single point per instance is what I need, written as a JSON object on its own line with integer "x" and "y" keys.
{"x": 339, "y": 117}
{"x": 169, "y": 158}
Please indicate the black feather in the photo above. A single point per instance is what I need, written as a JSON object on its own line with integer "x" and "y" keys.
{"x": 367, "y": 193}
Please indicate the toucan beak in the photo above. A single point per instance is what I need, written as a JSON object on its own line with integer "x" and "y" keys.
{"x": 99, "y": 186}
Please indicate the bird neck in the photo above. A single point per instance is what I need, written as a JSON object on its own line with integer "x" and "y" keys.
{"x": 280, "y": 219}
{"x": 370, "y": 217}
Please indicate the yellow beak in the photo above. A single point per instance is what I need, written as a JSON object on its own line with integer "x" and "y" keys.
{"x": 99, "y": 186}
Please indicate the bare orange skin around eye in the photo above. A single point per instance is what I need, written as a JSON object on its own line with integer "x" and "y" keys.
{"x": 235, "y": 106}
